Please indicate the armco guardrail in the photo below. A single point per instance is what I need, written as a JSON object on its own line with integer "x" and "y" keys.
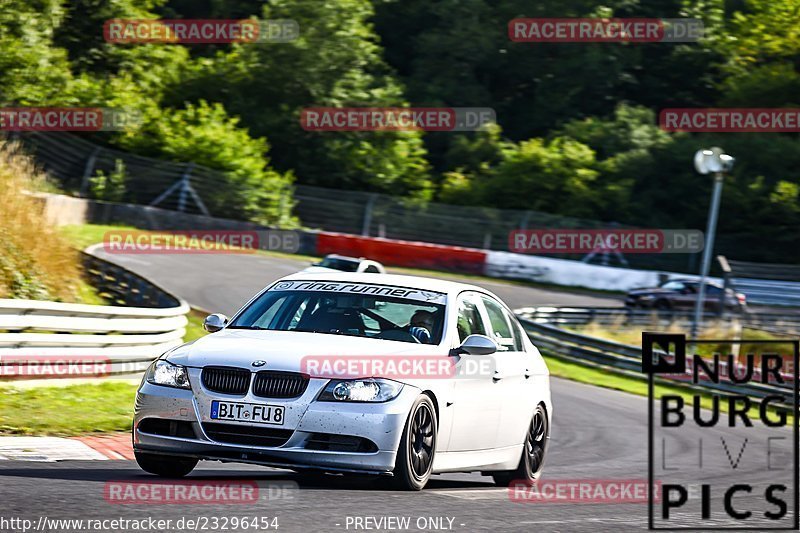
{"x": 766, "y": 283}
{"x": 53, "y": 339}
{"x": 552, "y": 339}
{"x": 777, "y": 323}
{"x": 768, "y": 292}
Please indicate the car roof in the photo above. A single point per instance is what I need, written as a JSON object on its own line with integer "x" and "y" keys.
{"x": 694, "y": 281}
{"x": 414, "y": 282}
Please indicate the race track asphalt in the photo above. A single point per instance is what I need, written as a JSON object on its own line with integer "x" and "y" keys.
{"x": 224, "y": 282}
{"x": 598, "y": 434}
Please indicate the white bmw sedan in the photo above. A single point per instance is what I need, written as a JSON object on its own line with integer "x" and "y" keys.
{"x": 406, "y": 377}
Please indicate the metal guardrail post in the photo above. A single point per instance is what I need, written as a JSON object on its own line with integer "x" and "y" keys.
{"x": 726, "y": 283}
{"x": 367, "y": 223}
{"x": 87, "y": 172}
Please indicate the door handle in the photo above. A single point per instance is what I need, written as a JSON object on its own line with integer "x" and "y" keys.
{"x": 497, "y": 376}
{"x": 528, "y": 373}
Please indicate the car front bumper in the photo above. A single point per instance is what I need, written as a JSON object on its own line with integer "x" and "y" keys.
{"x": 378, "y": 423}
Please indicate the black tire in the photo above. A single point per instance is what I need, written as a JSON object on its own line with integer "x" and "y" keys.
{"x": 531, "y": 463}
{"x": 417, "y": 446}
{"x": 165, "y": 465}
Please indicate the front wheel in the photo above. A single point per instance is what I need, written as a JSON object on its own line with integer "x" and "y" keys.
{"x": 531, "y": 463}
{"x": 165, "y": 465}
{"x": 417, "y": 446}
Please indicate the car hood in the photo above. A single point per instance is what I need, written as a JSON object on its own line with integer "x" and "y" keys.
{"x": 284, "y": 350}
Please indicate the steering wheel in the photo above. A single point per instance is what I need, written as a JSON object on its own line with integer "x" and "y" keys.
{"x": 397, "y": 335}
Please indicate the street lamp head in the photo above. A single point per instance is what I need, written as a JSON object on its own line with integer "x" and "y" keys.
{"x": 700, "y": 161}
{"x": 727, "y": 162}
{"x": 712, "y": 160}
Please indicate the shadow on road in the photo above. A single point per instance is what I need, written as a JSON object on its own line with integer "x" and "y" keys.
{"x": 314, "y": 481}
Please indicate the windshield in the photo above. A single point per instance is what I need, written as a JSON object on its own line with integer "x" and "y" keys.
{"x": 359, "y": 310}
{"x": 345, "y": 265}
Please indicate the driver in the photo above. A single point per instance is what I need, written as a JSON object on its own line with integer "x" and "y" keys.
{"x": 421, "y": 326}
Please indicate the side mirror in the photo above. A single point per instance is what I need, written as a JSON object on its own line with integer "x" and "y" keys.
{"x": 215, "y": 322}
{"x": 477, "y": 345}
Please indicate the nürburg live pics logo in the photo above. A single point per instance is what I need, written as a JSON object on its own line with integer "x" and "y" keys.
{"x": 722, "y": 433}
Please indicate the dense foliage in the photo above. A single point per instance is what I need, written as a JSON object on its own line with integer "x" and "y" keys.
{"x": 577, "y": 126}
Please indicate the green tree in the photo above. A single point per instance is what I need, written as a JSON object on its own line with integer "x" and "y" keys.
{"x": 204, "y": 134}
{"x": 337, "y": 62}
{"x": 109, "y": 187}
{"x": 33, "y": 71}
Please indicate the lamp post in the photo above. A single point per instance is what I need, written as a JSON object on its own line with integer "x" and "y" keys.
{"x": 715, "y": 161}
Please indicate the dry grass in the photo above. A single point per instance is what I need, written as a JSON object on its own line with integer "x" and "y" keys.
{"x": 626, "y": 334}
{"x": 36, "y": 262}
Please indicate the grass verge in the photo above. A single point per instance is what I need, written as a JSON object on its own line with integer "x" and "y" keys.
{"x": 194, "y": 329}
{"x": 66, "y": 411}
{"x": 81, "y": 409}
{"x": 83, "y": 235}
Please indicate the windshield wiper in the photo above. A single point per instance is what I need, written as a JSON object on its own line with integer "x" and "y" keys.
{"x": 247, "y": 327}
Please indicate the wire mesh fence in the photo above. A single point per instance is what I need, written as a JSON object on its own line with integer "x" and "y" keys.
{"x": 75, "y": 162}
{"x": 186, "y": 187}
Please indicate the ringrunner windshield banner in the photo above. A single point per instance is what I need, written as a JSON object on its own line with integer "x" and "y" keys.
{"x": 363, "y": 289}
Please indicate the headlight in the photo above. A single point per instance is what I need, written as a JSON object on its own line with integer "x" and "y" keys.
{"x": 361, "y": 390}
{"x": 165, "y": 373}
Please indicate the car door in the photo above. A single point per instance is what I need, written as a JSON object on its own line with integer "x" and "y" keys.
{"x": 511, "y": 374}
{"x": 712, "y": 298}
{"x": 687, "y": 296}
{"x": 476, "y": 396}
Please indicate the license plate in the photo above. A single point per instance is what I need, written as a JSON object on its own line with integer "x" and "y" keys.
{"x": 248, "y": 412}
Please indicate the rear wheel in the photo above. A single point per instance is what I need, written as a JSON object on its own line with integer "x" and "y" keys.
{"x": 531, "y": 463}
{"x": 165, "y": 465}
{"x": 417, "y": 446}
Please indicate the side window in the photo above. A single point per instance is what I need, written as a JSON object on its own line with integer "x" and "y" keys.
{"x": 501, "y": 327}
{"x": 673, "y": 286}
{"x": 372, "y": 269}
{"x": 469, "y": 318}
{"x": 519, "y": 332}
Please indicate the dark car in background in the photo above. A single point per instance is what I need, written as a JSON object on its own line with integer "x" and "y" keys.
{"x": 681, "y": 294}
